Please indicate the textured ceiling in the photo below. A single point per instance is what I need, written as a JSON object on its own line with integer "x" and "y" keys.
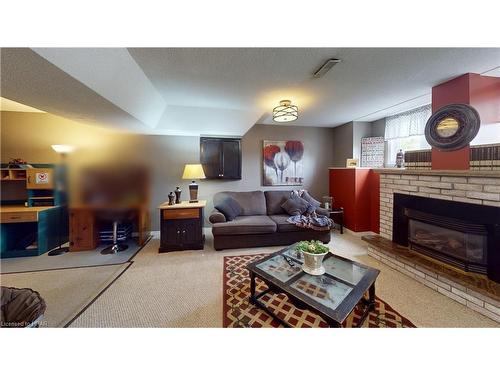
{"x": 224, "y": 91}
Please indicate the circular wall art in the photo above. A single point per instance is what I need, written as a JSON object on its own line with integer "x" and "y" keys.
{"x": 452, "y": 127}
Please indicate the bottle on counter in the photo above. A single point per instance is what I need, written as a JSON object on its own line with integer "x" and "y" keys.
{"x": 178, "y": 192}
{"x": 400, "y": 158}
{"x": 171, "y": 198}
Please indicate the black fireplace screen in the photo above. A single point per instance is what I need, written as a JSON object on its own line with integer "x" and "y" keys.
{"x": 464, "y": 235}
{"x": 454, "y": 241}
{"x": 468, "y": 247}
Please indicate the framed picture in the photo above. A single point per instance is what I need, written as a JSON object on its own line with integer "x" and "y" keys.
{"x": 351, "y": 163}
{"x": 282, "y": 163}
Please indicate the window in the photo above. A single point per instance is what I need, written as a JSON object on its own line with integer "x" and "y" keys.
{"x": 406, "y": 131}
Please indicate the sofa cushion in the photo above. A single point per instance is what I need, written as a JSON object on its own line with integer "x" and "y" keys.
{"x": 229, "y": 207}
{"x": 245, "y": 225}
{"x": 283, "y": 225}
{"x": 251, "y": 202}
{"x": 274, "y": 200}
{"x": 307, "y": 197}
{"x": 295, "y": 205}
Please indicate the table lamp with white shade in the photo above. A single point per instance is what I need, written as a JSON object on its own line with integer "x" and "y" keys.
{"x": 193, "y": 172}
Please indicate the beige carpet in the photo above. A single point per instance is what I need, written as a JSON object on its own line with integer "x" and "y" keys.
{"x": 184, "y": 289}
{"x": 66, "y": 292}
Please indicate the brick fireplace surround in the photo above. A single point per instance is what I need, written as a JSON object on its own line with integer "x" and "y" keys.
{"x": 476, "y": 187}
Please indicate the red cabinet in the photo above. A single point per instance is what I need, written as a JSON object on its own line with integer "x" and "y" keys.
{"x": 357, "y": 190}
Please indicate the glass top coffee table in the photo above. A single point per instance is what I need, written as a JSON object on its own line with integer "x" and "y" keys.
{"x": 333, "y": 295}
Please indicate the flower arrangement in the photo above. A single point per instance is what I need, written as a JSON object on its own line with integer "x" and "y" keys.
{"x": 312, "y": 247}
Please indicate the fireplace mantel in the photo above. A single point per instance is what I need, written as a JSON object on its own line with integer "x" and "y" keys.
{"x": 434, "y": 172}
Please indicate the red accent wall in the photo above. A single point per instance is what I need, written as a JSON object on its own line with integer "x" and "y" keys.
{"x": 483, "y": 93}
{"x": 342, "y": 189}
{"x": 456, "y": 160}
{"x": 357, "y": 191}
{"x": 455, "y": 91}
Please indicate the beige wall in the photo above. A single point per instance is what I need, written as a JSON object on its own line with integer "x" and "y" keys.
{"x": 29, "y": 136}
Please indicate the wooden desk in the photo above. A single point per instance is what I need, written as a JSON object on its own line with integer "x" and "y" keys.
{"x": 181, "y": 226}
{"x": 20, "y": 214}
{"x": 83, "y": 231}
{"x": 22, "y": 225}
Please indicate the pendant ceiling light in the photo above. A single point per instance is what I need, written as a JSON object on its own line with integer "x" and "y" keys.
{"x": 285, "y": 112}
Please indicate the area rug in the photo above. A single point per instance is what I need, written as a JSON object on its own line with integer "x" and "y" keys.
{"x": 238, "y": 312}
{"x": 76, "y": 259}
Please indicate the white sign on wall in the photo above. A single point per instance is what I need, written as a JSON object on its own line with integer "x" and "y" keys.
{"x": 372, "y": 152}
{"x": 41, "y": 178}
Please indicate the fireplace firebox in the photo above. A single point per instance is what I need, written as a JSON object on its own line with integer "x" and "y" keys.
{"x": 453, "y": 241}
{"x": 466, "y": 236}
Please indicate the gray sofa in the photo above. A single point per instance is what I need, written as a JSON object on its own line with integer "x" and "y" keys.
{"x": 262, "y": 222}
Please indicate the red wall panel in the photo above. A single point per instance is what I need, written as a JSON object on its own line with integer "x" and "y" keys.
{"x": 456, "y": 160}
{"x": 362, "y": 199}
{"x": 484, "y": 95}
{"x": 342, "y": 189}
{"x": 357, "y": 191}
{"x": 481, "y": 92}
{"x": 455, "y": 91}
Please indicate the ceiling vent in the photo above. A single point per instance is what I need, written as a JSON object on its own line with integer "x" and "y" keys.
{"x": 327, "y": 65}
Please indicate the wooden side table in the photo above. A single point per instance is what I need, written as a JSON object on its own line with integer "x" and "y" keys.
{"x": 337, "y": 215}
{"x": 181, "y": 226}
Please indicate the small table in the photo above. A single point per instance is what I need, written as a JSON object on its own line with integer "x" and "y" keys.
{"x": 337, "y": 215}
{"x": 181, "y": 226}
{"x": 333, "y": 295}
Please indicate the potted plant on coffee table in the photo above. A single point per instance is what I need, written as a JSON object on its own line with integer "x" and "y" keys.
{"x": 313, "y": 252}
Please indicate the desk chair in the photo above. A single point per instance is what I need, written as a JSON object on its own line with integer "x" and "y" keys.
{"x": 116, "y": 215}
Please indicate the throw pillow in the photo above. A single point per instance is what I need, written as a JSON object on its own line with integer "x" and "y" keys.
{"x": 310, "y": 209}
{"x": 295, "y": 205}
{"x": 230, "y": 208}
{"x": 307, "y": 197}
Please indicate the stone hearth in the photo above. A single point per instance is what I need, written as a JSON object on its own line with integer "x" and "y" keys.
{"x": 472, "y": 290}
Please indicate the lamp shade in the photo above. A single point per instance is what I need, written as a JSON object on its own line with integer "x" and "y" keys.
{"x": 285, "y": 112}
{"x": 62, "y": 149}
{"x": 193, "y": 172}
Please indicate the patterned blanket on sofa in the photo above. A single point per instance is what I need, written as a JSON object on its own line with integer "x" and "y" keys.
{"x": 310, "y": 219}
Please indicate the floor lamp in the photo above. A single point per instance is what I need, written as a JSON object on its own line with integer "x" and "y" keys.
{"x": 60, "y": 184}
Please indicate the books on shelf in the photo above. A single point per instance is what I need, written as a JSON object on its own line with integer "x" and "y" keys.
{"x": 482, "y": 157}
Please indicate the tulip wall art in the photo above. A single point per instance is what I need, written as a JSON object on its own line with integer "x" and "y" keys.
{"x": 282, "y": 163}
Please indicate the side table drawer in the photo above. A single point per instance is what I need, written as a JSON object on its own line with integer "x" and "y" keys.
{"x": 186, "y": 213}
{"x": 19, "y": 217}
